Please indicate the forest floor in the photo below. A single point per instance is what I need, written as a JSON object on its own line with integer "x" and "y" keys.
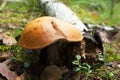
{"x": 13, "y": 18}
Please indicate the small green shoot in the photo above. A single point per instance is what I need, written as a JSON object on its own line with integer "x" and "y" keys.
{"x": 26, "y": 64}
{"x": 4, "y": 48}
{"x": 100, "y": 57}
{"x": 81, "y": 68}
{"x": 109, "y": 74}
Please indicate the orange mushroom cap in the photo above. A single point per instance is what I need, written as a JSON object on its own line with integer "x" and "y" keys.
{"x": 44, "y": 31}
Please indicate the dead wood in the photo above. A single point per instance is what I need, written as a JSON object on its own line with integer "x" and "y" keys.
{"x": 57, "y": 9}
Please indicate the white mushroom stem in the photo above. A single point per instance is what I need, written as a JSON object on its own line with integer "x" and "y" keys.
{"x": 59, "y": 10}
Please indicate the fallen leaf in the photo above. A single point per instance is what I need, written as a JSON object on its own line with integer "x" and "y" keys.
{"x": 118, "y": 65}
{"x": 1, "y": 30}
{"x": 95, "y": 15}
{"x": 20, "y": 77}
{"x": 8, "y": 40}
{"x": 4, "y": 71}
{"x": 3, "y": 56}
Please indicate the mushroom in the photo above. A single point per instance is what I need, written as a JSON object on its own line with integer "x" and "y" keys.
{"x": 43, "y": 32}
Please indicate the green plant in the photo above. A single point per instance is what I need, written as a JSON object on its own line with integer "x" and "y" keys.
{"x": 111, "y": 54}
{"x": 33, "y": 4}
{"x": 96, "y": 12}
{"x": 16, "y": 32}
{"x": 101, "y": 57}
{"x": 4, "y": 48}
{"x": 110, "y": 74}
{"x": 81, "y": 68}
{"x": 18, "y": 54}
{"x": 104, "y": 73}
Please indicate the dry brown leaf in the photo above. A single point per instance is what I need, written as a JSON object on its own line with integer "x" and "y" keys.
{"x": 3, "y": 56}
{"x": 6, "y": 72}
{"x": 8, "y": 40}
{"x": 20, "y": 77}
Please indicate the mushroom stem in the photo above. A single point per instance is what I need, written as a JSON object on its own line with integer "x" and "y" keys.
{"x": 53, "y": 56}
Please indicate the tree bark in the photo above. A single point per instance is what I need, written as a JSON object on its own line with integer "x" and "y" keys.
{"x": 59, "y": 10}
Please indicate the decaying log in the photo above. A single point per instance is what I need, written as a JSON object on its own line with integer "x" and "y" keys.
{"x": 57, "y": 9}
{"x": 107, "y": 33}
